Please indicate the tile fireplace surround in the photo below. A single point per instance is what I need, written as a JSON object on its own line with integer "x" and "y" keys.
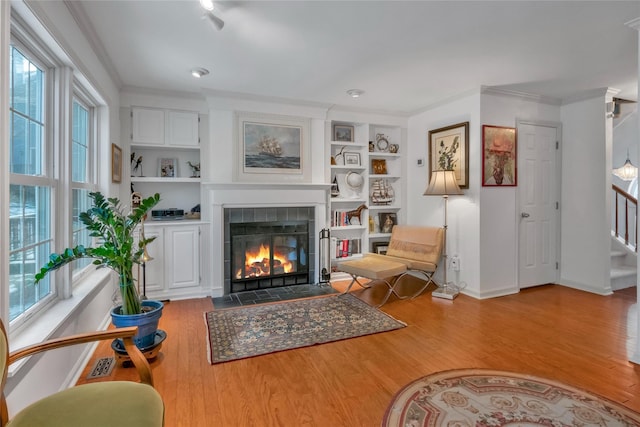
{"x": 259, "y": 202}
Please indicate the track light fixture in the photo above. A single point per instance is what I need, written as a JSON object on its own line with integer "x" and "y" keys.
{"x": 217, "y": 23}
{"x": 207, "y": 5}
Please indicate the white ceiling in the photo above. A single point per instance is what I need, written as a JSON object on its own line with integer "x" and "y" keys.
{"x": 405, "y": 55}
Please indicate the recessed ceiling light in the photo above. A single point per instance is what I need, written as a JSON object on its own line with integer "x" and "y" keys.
{"x": 207, "y": 4}
{"x": 199, "y": 72}
{"x": 355, "y": 93}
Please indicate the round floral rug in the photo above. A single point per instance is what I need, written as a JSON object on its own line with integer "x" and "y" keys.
{"x": 480, "y": 397}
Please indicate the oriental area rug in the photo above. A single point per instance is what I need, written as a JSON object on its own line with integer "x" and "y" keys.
{"x": 479, "y": 397}
{"x": 238, "y": 333}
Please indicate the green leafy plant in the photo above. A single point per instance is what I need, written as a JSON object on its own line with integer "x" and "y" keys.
{"x": 114, "y": 228}
{"x": 446, "y": 155}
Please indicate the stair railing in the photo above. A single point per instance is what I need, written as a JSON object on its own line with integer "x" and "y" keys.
{"x": 629, "y": 214}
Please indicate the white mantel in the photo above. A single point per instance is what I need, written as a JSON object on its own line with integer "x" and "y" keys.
{"x": 221, "y": 196}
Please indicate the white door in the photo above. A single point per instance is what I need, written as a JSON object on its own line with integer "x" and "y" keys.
{"x": 538, "y": 197}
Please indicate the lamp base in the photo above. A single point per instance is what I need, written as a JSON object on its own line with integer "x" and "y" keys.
{"x": 445, "y": 292}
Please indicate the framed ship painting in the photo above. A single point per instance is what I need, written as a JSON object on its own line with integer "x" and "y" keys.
{"x": 271, "y": 148}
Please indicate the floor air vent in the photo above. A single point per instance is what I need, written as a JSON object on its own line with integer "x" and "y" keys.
{"x": 102, "y": 367}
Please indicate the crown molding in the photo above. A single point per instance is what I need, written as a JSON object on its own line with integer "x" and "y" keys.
{"x": 495, "y": 90}
{"x": 86, "y": 27}
{"x": 634, "y": 23}
{"x": 590, "y": 94}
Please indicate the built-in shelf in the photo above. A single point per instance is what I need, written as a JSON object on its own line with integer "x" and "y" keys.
{"x": 349, "y": 167}
{"x": 349, "y": 227}
{"x": 384, "y": 207}
{"x": 377, "y": 235}
{"x": 345, "y": 200}
{"x": 378, "y": 154}
{"x": 164, "y": 180}
{"x": 383, "y": 176}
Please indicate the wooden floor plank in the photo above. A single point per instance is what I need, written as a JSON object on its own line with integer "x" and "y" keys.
{"x": 574, "y": 337}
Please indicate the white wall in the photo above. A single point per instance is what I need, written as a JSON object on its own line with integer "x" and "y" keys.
{"x": 482, "y": 222}
{"x": 52, "y": 22}
{"x": 586, "y": 195}
{"x": 463, "y": 237}
{"x": 499, "y": 205}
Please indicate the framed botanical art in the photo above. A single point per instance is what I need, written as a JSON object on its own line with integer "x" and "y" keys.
{"x": 271, "y": 148}
{"x": 499, "y": 161}
{"x": 116, "y": 163}
{"x": 449, "y": 150}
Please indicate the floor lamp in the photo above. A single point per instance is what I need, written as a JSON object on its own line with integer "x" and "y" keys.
{"x": 443, "y": 183}
{"x": 145, "y": 258}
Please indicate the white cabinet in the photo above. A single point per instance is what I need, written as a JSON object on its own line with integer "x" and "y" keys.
{"x": 161, "y": 137}
{"x": 183, "y": 264}
{"x": 175, "y": 271}
{"x": 182, "y": 129}
{"x": 147, "y": 126}
{"x": 366, "y": 169}
{"x": 157, "y": 127}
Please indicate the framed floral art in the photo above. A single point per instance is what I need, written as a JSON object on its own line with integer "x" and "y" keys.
{"x": 499, "y": 162}
{"x": 449, "y": 150}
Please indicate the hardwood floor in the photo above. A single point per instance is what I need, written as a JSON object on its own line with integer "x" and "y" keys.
{"x": 571, "y": 336}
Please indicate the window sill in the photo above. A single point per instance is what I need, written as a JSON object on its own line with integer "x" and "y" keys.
{"x": 56, "y": 315}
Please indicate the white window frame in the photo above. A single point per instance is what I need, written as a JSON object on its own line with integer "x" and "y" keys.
{"x": 62, "y": 87}
{"x": 81, "y": 96}
{"x": 48, "y": 177}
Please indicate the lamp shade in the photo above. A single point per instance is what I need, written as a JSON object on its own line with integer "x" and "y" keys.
{"x": 443, "y": 183}
{"x": 627, "y": 171}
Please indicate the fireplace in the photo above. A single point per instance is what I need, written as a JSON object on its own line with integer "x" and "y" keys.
{"x": 251, "y": 230}
{"x": 269, "y": 254}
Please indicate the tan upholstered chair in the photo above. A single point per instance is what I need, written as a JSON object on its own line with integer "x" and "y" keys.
{"x": 412, "y": 249}
{"x": 102, "y": 404}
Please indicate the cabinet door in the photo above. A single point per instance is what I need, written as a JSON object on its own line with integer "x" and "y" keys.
{"x": 154, "y": 269}
{"x": 183, "y": 267}
{"x": 147, "y": 126}
{"x": 182, "y": 129}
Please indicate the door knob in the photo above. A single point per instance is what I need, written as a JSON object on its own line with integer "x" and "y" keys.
{"x": 525, "y": 215}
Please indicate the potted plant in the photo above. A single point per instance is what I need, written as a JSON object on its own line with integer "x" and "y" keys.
{"x": 114, "y": 229}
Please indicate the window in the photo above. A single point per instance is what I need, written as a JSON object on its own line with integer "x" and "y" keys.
{"x": 55, "y": 129}
{"x": 31, "y": 186}
{"x": 82, "y": 177}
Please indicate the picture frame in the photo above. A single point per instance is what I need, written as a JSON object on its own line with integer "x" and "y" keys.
{"x": 271, "y": 148}
{"x": 343, "y": 133}
{"x": 387, "y": 220}
{"x": 168, "y": 168}
{"x": 499, "y": 156}
{"x": 351, "y": 158}
{"x": 449, "y": 150}
{"x": 379, "y": 166}
{"x": 380, "y": 247}
{"x": 116, "y": 163}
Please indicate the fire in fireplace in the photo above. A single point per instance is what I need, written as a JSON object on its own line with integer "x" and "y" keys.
{"x": 269, "y": 254}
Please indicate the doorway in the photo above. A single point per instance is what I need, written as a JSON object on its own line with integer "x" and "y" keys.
{"x": 538, "y": 203}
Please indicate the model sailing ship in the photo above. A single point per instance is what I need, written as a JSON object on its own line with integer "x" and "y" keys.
{"x": 382, "y": 192}
{"x": 270, "y": 146}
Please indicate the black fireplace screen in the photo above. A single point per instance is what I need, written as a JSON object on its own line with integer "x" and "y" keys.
{"x": 269, "y": 254}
